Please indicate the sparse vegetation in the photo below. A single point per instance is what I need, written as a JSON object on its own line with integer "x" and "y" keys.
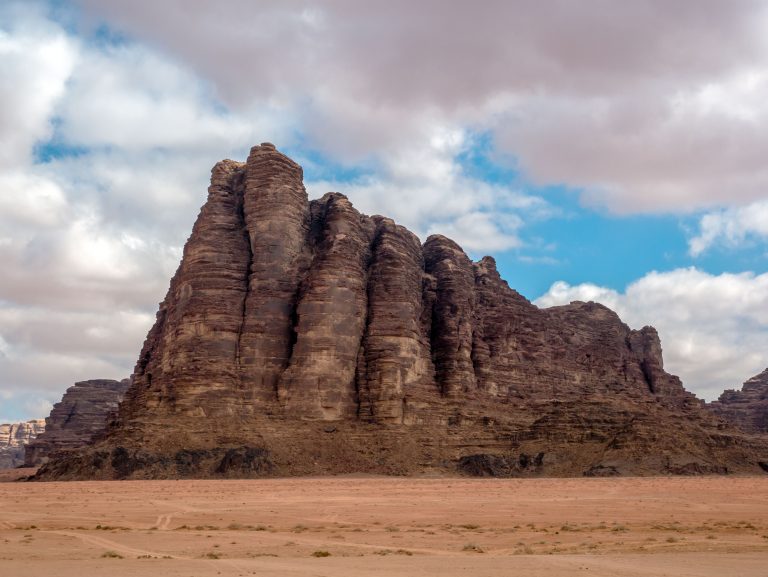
{"x": 391, "y": 552}
{"x": 111, "y": 555}
{"x": 110, "y": 528}
{"x": 256, "y": 527}
{"x": 321, "y": 554}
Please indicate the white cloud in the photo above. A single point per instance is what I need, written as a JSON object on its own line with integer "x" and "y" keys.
{"x": 88, "y": 241}
{"x": 732, "y": 228}
{"x": 30, "y": 199}
{"x": 481, "y": 231}
{"x": 36, "y": 59}
{"x": 45, "y": 350}
{"x": 39, "y": 407}
{"x": 130, "y": 98}
{"x": 421, "y": 185}
{"x": 675, "y": 150}
{"x": 714, "y": 328}
{"x": 648, "y": 107}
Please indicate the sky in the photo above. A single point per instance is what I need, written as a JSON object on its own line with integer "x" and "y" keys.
{"x": 615, "y": 152}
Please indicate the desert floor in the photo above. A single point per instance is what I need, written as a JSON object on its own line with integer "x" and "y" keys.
{"x": 361, "y": 527}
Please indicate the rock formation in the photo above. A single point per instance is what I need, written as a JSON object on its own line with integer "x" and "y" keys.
{"x": 748, "y": 408}
{"x": 303, "y": 337}
{"x": 80, "y": 416}
{"x": 14, "y": 437}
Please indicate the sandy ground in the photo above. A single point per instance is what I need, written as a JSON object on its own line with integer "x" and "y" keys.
{"x": 360, "y": 527}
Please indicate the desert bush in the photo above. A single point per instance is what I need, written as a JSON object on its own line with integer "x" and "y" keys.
{"x": 111, "y": 555}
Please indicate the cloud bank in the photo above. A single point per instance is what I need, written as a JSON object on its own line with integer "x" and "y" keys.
{"x": 650, "y": 106}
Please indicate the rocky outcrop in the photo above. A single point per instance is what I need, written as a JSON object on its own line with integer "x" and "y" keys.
{"x": 74, "y": 422}
{"x": 328, "y": 341}
{"x": 748, "y": 408}
{"x": 14, "y": 437}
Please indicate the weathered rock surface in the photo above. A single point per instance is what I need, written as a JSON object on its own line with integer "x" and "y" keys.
{"x": 74, "y": 422}
{"x": 748, "y": 408}
{"x": 14, "y": 437}
{"x": 302, "y": 337}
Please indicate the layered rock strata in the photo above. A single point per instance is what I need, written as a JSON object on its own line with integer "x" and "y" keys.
{"x": 14, "y": 437}
{"x": 318, "y": 340}
{"x": 748, "y": 408}
{"x": 81, "y": 416}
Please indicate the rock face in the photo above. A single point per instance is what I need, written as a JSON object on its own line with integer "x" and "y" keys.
{"x": 303, "y": 337}
{"x": 81, "y": 415}
{"x": 748, "y": 408}
{"x": 14, "y": 437}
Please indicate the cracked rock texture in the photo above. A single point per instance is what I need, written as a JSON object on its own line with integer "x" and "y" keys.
{"x": 327, "y": 341}
{"x": 75, "y": 421}
{"x": 14, "y": 437}
{"x": 747, "y": 408}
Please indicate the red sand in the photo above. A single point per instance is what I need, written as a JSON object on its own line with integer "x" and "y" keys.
{"x": 712, "y": 526}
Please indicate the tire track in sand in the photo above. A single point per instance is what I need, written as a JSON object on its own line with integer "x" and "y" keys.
{"x": 163, "y": 522}
{"x": 113, "y": 545}
{"x": 120, "y": 548}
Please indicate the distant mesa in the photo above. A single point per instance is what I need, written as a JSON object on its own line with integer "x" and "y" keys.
{"x": 303, "y": 338}
{"x": 14, "y": 438}
{"x": 747, "y": 409}
{"x": 77, "y": 420}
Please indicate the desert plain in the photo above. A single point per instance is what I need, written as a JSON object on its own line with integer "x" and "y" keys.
{"x": 378, "y": 526}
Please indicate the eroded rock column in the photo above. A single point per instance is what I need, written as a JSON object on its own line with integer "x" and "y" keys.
{"x": 452, "y": 314}
{"x": 331, "y": 315}
{"x": 395, "y": 363}
{"x": 276, "y": 214}
{"x": 187, "y": 363}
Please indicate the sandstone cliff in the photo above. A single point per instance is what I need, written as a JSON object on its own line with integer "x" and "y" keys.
{"x": 81, "y": 415}
{"x": 14, "y": 437}
{"x": 303, "y": 337}
{"x": 747, "y": 408}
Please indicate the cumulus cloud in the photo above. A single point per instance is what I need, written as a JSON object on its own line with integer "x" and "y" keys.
{"x": 45, "y": 349}
{"x": 422, "y": 186}
{"x": 653, "y": 106}
{"x": 36, "y": 59}
{"x": 713, "y": 328}
{"x": 731, "y": 228}
{"x": 91, "y": 225}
